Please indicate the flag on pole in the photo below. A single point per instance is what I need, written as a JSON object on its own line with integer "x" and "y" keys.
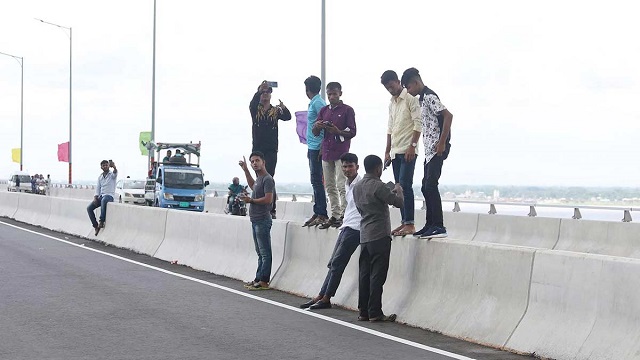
{"x": 63, "y": 152}
{"x": 145, "y": 137}
{"x": 301, "y": 126}
{"x": 15, "y": 155}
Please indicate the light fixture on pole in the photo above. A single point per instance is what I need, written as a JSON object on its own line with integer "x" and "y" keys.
{"x": 70, "y": 35}
{"x": 21, "y": 62}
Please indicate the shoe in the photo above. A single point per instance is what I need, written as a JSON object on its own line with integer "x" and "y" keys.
{"x": 307, "y": 304}
{"x": 329, "y": 223}
{"x": 422, "y": 231}
{"x": 257, "y": 286}
{"x": 273, "y": 215}
{"x": 101, "y": 225}
{"x": 249, "y": 284}
{"x": 384, "y": 318}
{"x": 319, "y": 220}
{"x": 363, "y": 318}
{"x": 338, "y": 223}
{"x": 311, "y": 220}
{"x": 435, "y": 232}
{"x": 97, "y": 228}
{"x": 320, "y": 305}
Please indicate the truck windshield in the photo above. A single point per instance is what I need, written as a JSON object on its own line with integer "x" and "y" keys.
{"x": 183, "y": 179}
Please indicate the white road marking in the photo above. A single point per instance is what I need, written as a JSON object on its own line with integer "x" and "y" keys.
{"x": 250, "y": 296}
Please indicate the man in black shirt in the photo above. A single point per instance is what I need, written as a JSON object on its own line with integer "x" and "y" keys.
{"x": 265, "y": 128}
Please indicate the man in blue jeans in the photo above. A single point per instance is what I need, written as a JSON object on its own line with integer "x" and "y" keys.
{"x": 105, "y": 192}
{"x": 260, "y": 203}
{"x": 314, "y": 143}
{"x": 403, "y": 132}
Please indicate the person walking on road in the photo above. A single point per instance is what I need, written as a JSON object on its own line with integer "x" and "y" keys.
{"x": 338, "y": 121}
{"x": 105, "y": 193}
{"x": 372, "y": 198}
{"x": 436, "y": 132}
{"x": 260, "y": 203}
{"x": 348, "y": 239}
{"x": 313, "y": 85}
{"x": 264, "y": 130}
{"x": 403, "y": 133}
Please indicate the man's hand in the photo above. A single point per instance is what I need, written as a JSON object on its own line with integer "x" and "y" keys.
{"x": 243, "y": 164}
{"x": 245, "y": 199}
{"x": 332, "y": 129}
{"x": 95, "y": 201}
{"x": 410, "y": 154}
{"x": 440, "y": 147}
{"x": 319, "y": 125}
{"x": 387, "y": 157}
{"x": 282, "y": 105}
{"x": 398, "y": 190}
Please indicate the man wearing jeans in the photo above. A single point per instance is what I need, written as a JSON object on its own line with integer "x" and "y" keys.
{"x": 105, "y": 192}
{"x": 338, "y": 120}
{"x": 403, "y": 133}
{"x": 314, "y": 142}
{"x": 347, "y": 242}
{"x": 260, "y": 203}
{"x": 436, "y": 132}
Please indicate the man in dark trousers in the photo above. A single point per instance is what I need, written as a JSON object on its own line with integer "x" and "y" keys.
{"x": 265, "y": 118}
{"x": 372, "y": 198}
{"x": 260, "y": 203}
{"x": 436, "y": 133}
{"x": 347, "y": 242}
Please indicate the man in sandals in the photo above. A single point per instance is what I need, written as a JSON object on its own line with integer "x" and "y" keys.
{"x": 403, "y": 133}
{"x": 105, "y": 193}
{"x": 347, "y": 242}
{"x": 260, "y": 204}
{"x": 372, "y": 198}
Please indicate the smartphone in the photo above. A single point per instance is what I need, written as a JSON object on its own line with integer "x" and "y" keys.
{"x": 390, "y": 185}
{"x": 272, "y": 84}
{"x": 386, "y": 164}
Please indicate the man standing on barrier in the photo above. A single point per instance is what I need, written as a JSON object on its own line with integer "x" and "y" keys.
{"x": 260, "y": 203}
{"x": 372, "y": 198}
{"x": 347, "y": 242}
{"x": 105, "y": 192}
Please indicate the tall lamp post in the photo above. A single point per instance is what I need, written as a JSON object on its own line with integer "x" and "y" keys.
{"x": 70, "y": 35}
{"x": 153, "y": 89}
{"x": 21, "y": 62}
{"x": 323, "y": 52}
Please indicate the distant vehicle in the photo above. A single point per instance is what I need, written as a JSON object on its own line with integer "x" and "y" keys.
{"x": 177, "y": 184}
{"x": 25, "y": 182}
{"x": 130, "y": 191}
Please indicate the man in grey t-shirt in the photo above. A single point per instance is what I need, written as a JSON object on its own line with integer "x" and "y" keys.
{"x": 260, "y": 215}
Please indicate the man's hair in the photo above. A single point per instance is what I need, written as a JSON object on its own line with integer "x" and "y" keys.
{"x": 334, "y": 86}
{"x": 371, "y": 162}
{"x": 178, "y": 151}
{"x": 349, "y": 158}
{"x": 409, "y": 75}
{"x": 388, "y": 76}
{"x": 313, "y": 84}
{"x": 103, "y": 162}
{"x": 169, "y": 152}
{"x": 258, "y": 154}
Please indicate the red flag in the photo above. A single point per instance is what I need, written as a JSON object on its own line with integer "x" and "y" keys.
{"x": 63, "y": 152}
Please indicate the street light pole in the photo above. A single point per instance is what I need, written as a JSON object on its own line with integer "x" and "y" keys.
{"x": 153, "y": 88}
{"x": 21, "y": 62}
{"x": 323, "y": 53}
{"x": 70, "y": 88}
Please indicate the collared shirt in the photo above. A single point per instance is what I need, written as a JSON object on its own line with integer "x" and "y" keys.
{"x": 404, "y": 119}
{"x": 344, "y": 118}
{"x": 352, "y": 217}
{"x": 432, "y": 123}
{"x": 372, "y": 198}
{"x": 316, "y": 104}
{"x": 107, "y": 184}
{"x": 265, "y": 124}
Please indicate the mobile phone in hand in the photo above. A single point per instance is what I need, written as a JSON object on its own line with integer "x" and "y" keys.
{"x": 386, "y": 164}
{"x": 272, "y": 84}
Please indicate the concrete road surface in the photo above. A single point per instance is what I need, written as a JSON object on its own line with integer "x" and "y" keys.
{"x": 63, "y": 297}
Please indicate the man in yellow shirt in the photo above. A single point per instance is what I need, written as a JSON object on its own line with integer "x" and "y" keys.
{"x": 403, "y": 133}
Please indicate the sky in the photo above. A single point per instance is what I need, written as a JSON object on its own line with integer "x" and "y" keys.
{"x": 542, "y": 93}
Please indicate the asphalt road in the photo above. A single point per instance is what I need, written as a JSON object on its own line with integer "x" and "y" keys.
{"x": 63, "y": 297}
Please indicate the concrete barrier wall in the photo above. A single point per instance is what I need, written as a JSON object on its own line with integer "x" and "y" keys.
{"x": 535, "y": 232}
{"x": 70, "y": 216}
{"x": 582, "y": 307}
{"x": 84, "y": 194}
{"x": 8, "y": 203}
{"x": 296, "y": 211}
{"x": 33, "y": 209}
{"x": 215, "y": 205}
{"x": 600, "y": 237}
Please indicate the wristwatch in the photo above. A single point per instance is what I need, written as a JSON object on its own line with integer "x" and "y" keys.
{"x": 414, "y": 144}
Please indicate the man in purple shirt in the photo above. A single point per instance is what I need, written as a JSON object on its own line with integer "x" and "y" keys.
{"x": 338, "y": 121}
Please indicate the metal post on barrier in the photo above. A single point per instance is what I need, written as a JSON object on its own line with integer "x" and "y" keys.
{"x": 293, "y": 197}
{"x": 627, "y": 216}
{"x": 576, "y": 214}
{"x": 532, "y": 211}
{"x": 456, "y": 207}
{"x": 492, "y": 209}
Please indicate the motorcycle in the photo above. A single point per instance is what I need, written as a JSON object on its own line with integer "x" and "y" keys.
{"x": 238, "y": 207}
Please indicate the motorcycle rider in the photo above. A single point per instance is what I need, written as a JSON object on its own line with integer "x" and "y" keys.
{"x": 235, "y": 189}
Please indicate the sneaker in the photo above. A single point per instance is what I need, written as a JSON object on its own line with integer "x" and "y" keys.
{"x": 329, "y": 223}
{"x": 319, "y": 220}
{"x": 422, "y": 231}
{"x": 384, "y": 318}
{"x": 257, "y": 286}
{"x": 273, "y": 215}
{"x": 97, "y": 228}
{"x": 101, "y": 225}
{"x": 311, "y": 220}
{"x": 434, "y": 232}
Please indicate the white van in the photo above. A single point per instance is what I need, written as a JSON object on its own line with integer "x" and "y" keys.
{"x": 25, "y": 182}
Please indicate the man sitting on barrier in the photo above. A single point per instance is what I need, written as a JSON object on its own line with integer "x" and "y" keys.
{"x": 105, "y": 193}
{"x": 348, "y": 239}
{"x": 260, "y": 215}
{"x": 372, "y": 198}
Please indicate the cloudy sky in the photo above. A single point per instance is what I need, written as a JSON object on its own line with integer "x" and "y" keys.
{"x": 542, "y": 93}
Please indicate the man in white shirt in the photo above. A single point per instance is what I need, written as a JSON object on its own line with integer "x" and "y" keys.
{"x": 347, "y": 242}
{"x": 105, "y": 192}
